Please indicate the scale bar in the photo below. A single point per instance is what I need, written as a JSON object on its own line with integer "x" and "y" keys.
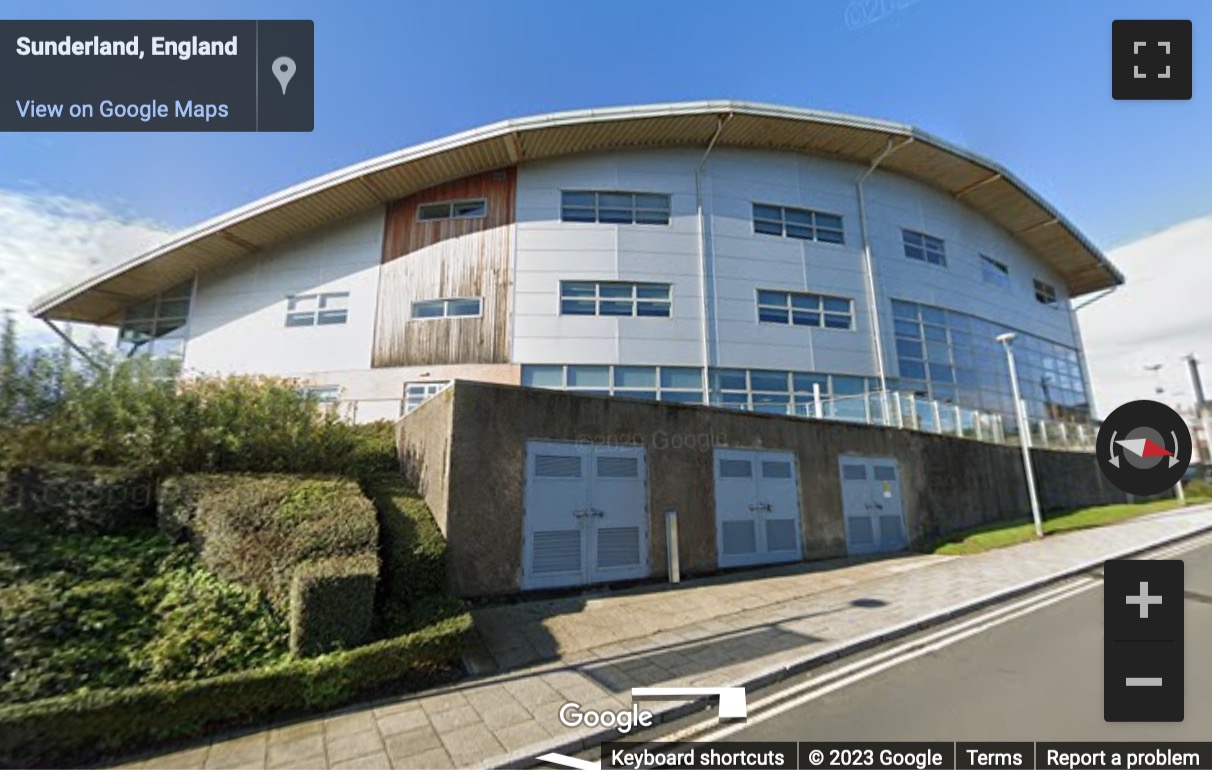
{"x": 1144, "y": 681}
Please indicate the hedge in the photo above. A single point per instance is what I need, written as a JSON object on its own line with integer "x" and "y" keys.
{"x": 413, "y": 585}
{"x": 60, "y": 497}
{"x": 69, "y": 729}
{"x": 332, "y": 603}
{"x": 257, "y": 529}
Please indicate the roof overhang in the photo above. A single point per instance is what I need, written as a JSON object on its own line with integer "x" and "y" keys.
{"x": 978, "y": 182}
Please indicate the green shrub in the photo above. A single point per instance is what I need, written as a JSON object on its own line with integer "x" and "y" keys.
{"x": 1198, "y": 488}
{"x": 413, "y": 587}
{"x": 332, "y": 603}
{"x": 257, "y": 529}
{"x": 61, "y": 731}
{"x": 72, "y": 498}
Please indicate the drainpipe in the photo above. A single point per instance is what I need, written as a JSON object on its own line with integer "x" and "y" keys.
{"x": 698, "y": 203}
{"x": 873, "y": 311}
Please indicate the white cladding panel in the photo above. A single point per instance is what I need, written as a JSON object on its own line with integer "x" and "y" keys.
{"x": 238, "y": 318}
{"x": 742, "y": 261}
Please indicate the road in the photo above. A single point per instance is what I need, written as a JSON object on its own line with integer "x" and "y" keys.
{"x": 1036, "y": 677}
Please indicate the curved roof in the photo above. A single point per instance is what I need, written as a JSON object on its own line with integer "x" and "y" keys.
{"x": 982, "y": 184}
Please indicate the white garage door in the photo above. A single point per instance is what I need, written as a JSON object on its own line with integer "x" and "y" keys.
{"x": 757, "y": 507}
{"x": 586, "y": 515}
{"x": 871, "y": 504}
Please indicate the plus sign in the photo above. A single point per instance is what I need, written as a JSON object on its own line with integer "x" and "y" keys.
{"x": 1144, "y": 600}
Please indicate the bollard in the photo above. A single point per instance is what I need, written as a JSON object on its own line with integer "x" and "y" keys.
{"x": 671, "y": 545}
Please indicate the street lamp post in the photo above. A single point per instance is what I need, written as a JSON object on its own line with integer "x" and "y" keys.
{"x": 1021, "y": 417}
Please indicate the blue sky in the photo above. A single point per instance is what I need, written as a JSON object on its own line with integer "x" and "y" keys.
{"x": 1025, "y": 82}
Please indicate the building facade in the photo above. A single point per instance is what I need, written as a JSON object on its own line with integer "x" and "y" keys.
{"x": 725, "y": 253}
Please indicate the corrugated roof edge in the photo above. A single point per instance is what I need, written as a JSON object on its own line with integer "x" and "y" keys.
{"x": 46, "y": 302}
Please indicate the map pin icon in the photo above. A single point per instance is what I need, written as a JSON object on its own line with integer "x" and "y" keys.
{"x": 284, "y": 70}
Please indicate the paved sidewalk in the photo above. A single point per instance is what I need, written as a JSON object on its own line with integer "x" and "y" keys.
{"x": 714, "y": 632}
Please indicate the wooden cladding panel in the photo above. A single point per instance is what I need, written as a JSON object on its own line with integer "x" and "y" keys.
{"x": 447, "y": 259}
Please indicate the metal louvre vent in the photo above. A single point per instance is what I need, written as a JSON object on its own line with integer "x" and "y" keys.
{"x": 738, "y": 537}
{"x": 557, "y": 466}
{"x": 557, "y": 551}
{"x": 891, "y": 531}
{"x": 854, "y": 472}
{"x": 776, "y": 470}
{"x": 618, "y": 467}
{"x": 885, "y": 473}
{"x": 780, "y": 535}
{"x": 618, "y": 547}
{"x": 736, "y": 469}
{"x": 861, "y": 532}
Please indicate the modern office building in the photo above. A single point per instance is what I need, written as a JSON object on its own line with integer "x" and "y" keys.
{"x": 722, "y": 252}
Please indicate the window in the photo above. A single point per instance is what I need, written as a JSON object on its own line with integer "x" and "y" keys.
{"x": 794, "y": 309}
{"x": 798, "y": 223}
{"x": 615, "y": 298}
{"x": 322, "y": 394}
{"x": 621, "y": 208}
{"x": 446, "y": 308}
{"x": 156, "y": 326}
{"x": 1045, "y": 293}
{"x": 417, "y": 393}
{"x": 326, "y": 309}
{"x": 995, "y": 272}
{"x": 467, "y": 209}
{"x": 924, "y": 248}
{"x": 677, "y": 384}
{"x": 781, "y": 392}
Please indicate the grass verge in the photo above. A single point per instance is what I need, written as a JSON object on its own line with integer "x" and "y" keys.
{"x": 1002, "y": 534}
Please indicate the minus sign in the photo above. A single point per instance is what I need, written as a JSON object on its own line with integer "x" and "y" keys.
{"x": 1144, "y": 681}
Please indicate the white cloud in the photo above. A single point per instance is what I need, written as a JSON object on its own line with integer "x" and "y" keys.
{"x": 1162, "y": 313}
{"x": 49, "y": 241}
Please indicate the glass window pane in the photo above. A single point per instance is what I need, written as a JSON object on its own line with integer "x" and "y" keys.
{"x": 768, "y": 228}
{"x": 653, "y": 309}
{"x": 615, "y": 216}
{"x": 651, "y": 201}
{"x": 803, "y": 382}
{"x": 652, "y": 217}
{"x": 469, "y": 209}
{"x": 830, "y": 236}
{"x": 300, "y": 319}
{"x": 914, "y": 369}
{"x": 909, "y": 349}
{"x": 837, "y": 305}
{"x": 941, "y": 373}
{"x": 432, "y": 309}
{"x": 681, "y": 377}
{"x": 180, "y": 291}
{"x": 729, "y": 379}
{"x": 907, "y": 329}
{"x": 433, "y": 211}
{"x": 577, "y": 289}
{"x": 830, "y": 221}
{"x": 805, "y": 318}
{"x": 578, "y": 307}
{"x": 799, "y": 231}
{"x": 776, "y": 298}
{"x": 798, "y": 216}
{"x": 141, "y": 311}
{"x": 652, "y": 290}
{"x": 614, "y": 308}
{"x": 543, "y": 376}
{"x": 682, "y": 396}
{"x": 646, "y": 395}
{"x": 331, "y": 317}
{"x": 911, "y": 238}
{"x": 767, "y": 212}
{"x": 913, "y": 252}
{"x": 938, "y": 352}
{"x": 616, "y": 200}
{"x": 933, "y": 315}
{"x": 578, "y": 215}
{"x": 578, "y": 198}
{"x": 848, "y": 386}
{"x": 772, "y": 315}
{"x": 805, "y": 302}
{"x": 589, "y": 376}
{"x": 835, "y": 321}
{"x": 904, "y": 309}
{"x": 775, "y": 381}
{"x": 463, "y": 307}
{"x": 174, "y": 308}
{"x": 616, "y": 290}
{"x": 935, "y": 333}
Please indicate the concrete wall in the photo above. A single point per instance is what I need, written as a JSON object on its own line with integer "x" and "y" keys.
{"x": 478, "y": 433}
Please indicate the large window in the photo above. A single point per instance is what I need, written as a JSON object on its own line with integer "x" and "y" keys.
{"x": 157, "y": 326}
{"x": 798, "y": 223}
{"x": 417, "y": 393}
{"x": 995, "y": 272}
{"x": 784, "y": 392}
{"x": 325, "y": 309}
{"x": 620, "y": 208}
{"x": 679, "y": 384}
{"x": 924, "y": 248}
{"x": 446, "y": 308}
{"x": 615, "y": 298}
{"x": 468, "y": 209}
{"x": 797, "y": 309}
{"x": 1045, "y": 293}
{"x": 955, "y": 357}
